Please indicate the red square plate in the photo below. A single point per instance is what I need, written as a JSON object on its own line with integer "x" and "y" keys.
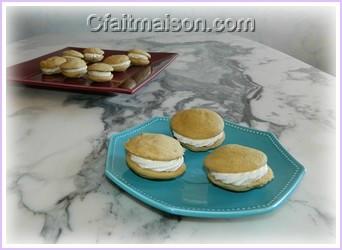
{"x": 28, "y": 73}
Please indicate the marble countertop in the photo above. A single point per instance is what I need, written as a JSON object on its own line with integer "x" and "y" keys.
{"x": 56, "y": 142}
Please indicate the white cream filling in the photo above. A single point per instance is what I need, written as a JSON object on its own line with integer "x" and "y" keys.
{"x": 198, "y": 142}
{"x": 76, "y": 70}
{"x": 51, "y": 71}
{"x": 158, "y": 166}
{"x": 126, "y": 64}
{"x": 99, "y": 73}
{"x": 93, "y": 56}
{"x": 241, "y": 179}
{"x": 137, "y": 56}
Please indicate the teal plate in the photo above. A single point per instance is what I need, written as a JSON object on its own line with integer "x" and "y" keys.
{"x": 192, "y": 194}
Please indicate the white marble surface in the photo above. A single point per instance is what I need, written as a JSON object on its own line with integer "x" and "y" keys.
{"x": 56, "y": 143}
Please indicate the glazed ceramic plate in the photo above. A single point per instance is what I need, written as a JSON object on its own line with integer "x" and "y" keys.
{"x": 28, "y": 73}
{"x": 192, "y": 194}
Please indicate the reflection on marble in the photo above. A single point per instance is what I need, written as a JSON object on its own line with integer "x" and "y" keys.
{"x": 57, "y": 192}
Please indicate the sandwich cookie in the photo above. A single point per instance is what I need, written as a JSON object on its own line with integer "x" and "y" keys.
{"x": 72, "y": 54}
{"x": 139, "y": 57}
{"x": 93, "y": 54}
{"x": 52, "y": 65}
{"x": 118, "y": 62}
{"x": 198, "y": 129}
{"x": 238, "y": 168}
{"x": 155, "y": 156}
{"x": 100, "y": 72}
{"x": 74, "y": 68}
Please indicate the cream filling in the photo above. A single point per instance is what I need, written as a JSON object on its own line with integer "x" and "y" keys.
{"x": 126, "y": 64}
{"x": 158, "y": 166}
{"x": 241, "y": 179}
{"x": 137, "y": 56}
{"x": 76, "y": 70}
{"x": 51, "y": 71}
{"x": 99, "y": 73}
{"x": 198, "y": 142}
{"x": 93, "y": 56}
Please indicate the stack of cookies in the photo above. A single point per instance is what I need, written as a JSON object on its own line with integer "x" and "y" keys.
{"x": 232, "y": 167}
{"x": 74, "y": 64}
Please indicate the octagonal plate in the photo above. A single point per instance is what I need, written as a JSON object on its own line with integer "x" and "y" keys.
{"x": 192, "y": 194}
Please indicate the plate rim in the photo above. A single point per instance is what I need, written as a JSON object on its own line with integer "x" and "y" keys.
{"x": 284, "y": 192}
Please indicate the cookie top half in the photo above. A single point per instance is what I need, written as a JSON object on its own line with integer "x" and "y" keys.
{"x": 116, "y": 59}
{"x": 235, "y": 158}
{"x": 197, "y": 123}
{"x": 140, "y": 52}
{"x": 52, "y": 62}
{"x": 93, "y": 51}
{"x": 73, "y": 53}
{"x": 156, "y": 147}
{"x": 74, "y": 64}
{"x": 103, "y": 67}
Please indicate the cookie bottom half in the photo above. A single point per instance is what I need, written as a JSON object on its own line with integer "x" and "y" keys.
{"x": 255, "y": 184}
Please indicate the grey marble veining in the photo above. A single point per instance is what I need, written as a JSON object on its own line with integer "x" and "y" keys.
{"x": 57, "y": 143}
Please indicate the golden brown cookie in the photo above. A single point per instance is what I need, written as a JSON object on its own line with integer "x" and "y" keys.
{"x": 154, "y": 147}
{"x": 71, "y": 54}
{"x": 118, "y": 62}
{"x": 100, "y": 72}
{"x": 238, "y": 168}
{"x": 74, "y": 68}
{"x": 139, "y": 57}
{"x": 140, "y": 52}
{"x": 155, "y": 156}
{"x": 52, "y": 65}
{"x": 234, "y": 158}
{"x": 197, "y": 123}
{"x": 198, "y": 129}
{"x": 93, "y": 54}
